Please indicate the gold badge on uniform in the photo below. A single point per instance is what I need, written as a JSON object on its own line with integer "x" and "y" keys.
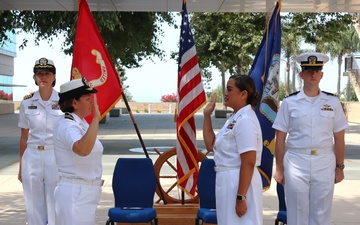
{"x": 327, "y": 108}
{"x": 312, "y": 59}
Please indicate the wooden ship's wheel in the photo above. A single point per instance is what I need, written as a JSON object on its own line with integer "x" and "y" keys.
{"x": 166, "y": 173}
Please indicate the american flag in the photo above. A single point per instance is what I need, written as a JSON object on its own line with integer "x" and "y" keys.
{"x": 191, "y": 97}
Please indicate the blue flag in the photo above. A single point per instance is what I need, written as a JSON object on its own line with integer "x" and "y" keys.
{"x": 265, "y": 72}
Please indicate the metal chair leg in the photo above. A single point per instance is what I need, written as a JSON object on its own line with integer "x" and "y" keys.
{"x": 279, "y": 222}
{"x": 154, "y": 221}
{"x": 198, "y": 221}
{"x": 108, "y": 222}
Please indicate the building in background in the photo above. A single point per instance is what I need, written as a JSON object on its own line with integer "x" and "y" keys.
{"x": 7, "y": 55}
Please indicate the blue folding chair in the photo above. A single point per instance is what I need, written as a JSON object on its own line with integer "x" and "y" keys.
{"x": 281, "y": 216}
{"x": 134, "y": 183}
{"x": 206, "y": 191}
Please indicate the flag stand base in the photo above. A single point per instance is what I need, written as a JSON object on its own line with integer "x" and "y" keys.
{"x": 173, "y": 214}
{"x": 176, "y": 214}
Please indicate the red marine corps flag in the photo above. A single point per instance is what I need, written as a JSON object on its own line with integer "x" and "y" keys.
{"x": 92, "y": 61}
{"x": 191, "y": 97}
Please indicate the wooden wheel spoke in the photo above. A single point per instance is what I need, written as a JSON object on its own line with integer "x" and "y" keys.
{"x": 171, "y": 187}
{"x": 171, "y": 165}
{"x": 157, "y": 151}
{"x": 165, "y": 160}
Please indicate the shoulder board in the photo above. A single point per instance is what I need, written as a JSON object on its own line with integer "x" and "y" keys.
{"x": 69, "y": 116}
{"x": 328, "y": 93}
{"x": 28, "y": 96}
{"x": 294, "y": 93}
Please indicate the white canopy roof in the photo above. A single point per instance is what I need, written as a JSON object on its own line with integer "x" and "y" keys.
{"x": 192, "y": 5}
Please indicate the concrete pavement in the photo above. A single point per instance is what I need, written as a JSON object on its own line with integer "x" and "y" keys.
{"x": 118, "y": 136}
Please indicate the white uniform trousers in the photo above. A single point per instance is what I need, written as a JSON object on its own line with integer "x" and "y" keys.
{"x": 227, "y": 183}
{"x": 76, "y": 204}
{"x": 39, "y": 179}
{"x": 309, "y": 186}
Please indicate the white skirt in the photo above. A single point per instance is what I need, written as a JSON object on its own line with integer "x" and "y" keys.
{"x": 227, "y": 183}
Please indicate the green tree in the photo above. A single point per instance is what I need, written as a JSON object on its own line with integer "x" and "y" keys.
{"x": 218, "y": 91}
{"x": 282, "y": 91}
{"x": 321, "y": 29}
{"x": 353, "y": 97}
{"x": 128, "y": 95}
{"x": 227, "y": 41}
{"x": 348, "y": 43}
{"x": 290, "y": 46}
{"x": 130, "y": 37}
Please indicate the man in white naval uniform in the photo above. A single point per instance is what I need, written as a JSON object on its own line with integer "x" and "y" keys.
{"x": 311, "y": 160}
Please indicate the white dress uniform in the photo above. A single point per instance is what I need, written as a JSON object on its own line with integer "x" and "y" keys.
{"x": 240, "y": 133}
{"x": 39, "y": 172}
{"x": 79, "y": 190}
{"x": 309, "y": 161}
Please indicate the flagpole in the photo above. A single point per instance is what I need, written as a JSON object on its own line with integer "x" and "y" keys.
{"x": 135, "y": 125}
{"x": 141, "y": 140}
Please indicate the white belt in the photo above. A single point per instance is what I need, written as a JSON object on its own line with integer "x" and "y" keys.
{"x": 82, "y": 181}
{"x": 227, "y": 168}
{"x": 41, "y": 147}
{"x": 314, "y": 151}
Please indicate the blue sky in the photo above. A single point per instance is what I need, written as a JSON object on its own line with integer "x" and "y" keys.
{"x": 147, "y": 83}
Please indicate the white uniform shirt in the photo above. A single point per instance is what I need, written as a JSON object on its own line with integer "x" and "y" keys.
{"x": 69, "y": 163}
{"x": 241, "y": 133}
{"x": 310, "y": 124}
{"x": 40, "y": 117}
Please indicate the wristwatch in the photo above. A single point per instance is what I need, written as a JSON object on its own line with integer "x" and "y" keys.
{"x": 240, "y": 197}
{"x": 340, "y": 166}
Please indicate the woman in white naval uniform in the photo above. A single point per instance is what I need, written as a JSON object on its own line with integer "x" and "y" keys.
{"x": 237, "y": 152}
{"x": 78, "y": 155}
{"x": 311, "y": 159}
{"x": 38, "y": 116}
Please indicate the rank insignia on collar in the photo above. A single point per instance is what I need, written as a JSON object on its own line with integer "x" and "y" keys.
{"x": 327, "y": 108}
{"x": 32, "y": 107}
